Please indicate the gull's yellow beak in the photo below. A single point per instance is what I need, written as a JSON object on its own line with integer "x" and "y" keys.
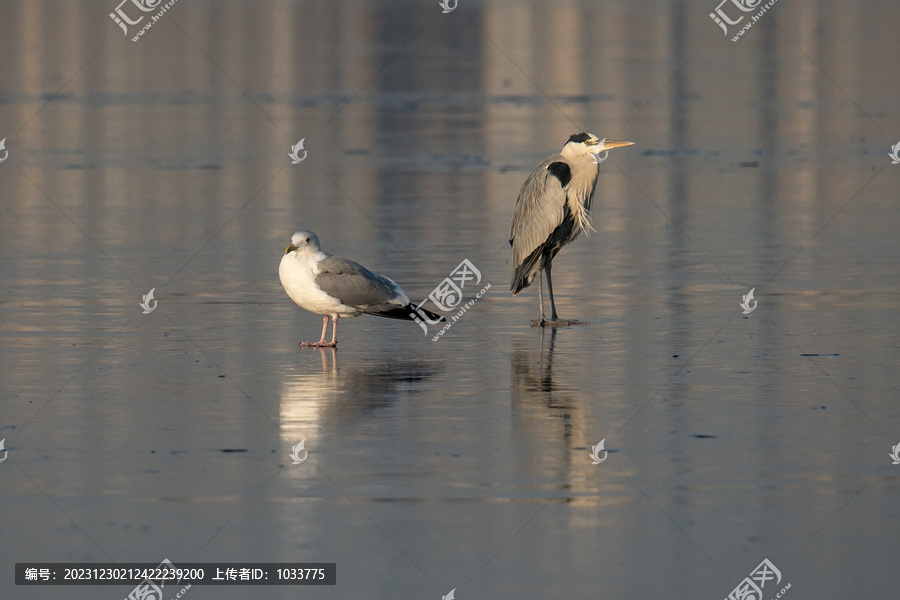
{"x": 289, "y": 248}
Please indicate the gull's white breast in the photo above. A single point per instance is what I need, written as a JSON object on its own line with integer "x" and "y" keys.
{"x": 298, "y": 276}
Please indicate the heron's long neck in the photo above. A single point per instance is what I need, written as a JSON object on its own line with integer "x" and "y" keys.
{"x": 580, "y": 190}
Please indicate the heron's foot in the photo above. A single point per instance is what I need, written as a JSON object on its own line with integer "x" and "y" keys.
{"x": 319, "y": 344}
{"x": 557, "y": 323}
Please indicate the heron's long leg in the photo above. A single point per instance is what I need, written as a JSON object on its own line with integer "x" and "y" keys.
{"x": 553, "y": 316}
{"x": 541, "y": 292}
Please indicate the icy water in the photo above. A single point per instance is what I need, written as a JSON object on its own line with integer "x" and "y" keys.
{"x": 463, "y": 463}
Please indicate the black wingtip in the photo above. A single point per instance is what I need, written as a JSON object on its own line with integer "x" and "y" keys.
{"x": 433, "y": 316}
{"x": 406, "y": 312}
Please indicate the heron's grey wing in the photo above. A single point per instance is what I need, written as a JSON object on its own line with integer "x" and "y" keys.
{"x": 540, "y": 209}
{"x": 354, "y": 285}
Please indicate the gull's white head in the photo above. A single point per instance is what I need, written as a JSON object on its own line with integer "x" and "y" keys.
{"x": 304, "y": 242}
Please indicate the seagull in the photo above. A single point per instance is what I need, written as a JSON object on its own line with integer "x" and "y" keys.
{"x": 336, "y": 287}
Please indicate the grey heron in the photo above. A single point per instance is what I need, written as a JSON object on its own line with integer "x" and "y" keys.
{"x": 553, "y": 208}
{"x": 336, "y": 287}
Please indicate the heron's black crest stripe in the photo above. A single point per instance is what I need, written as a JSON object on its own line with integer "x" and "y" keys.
{"x": 580, "y": 137}
{"x": 561, "y": 171}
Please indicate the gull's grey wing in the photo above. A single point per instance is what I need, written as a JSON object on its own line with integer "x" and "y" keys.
{"x": 354, "y": 285}
{"x": 540, "y": 209}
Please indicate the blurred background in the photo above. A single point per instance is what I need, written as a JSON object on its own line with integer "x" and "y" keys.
{"x": 462, "y": 463}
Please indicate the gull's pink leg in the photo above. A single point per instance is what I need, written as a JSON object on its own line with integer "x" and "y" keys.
{"x": 321, "y": 340}
{"x": 334, "y": 321}
{"x": 324, "y": 329}
{"x": 322, "y": 343}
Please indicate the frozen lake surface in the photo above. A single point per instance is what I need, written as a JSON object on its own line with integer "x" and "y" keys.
{"x": 461, "y": 463}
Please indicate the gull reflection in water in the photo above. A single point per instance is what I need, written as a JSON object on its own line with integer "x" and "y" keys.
{"x": 310, "y": 400}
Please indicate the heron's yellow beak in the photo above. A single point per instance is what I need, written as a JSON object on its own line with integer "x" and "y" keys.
{"x": 289, "y": 248}
{"x": 610, "y": 144}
